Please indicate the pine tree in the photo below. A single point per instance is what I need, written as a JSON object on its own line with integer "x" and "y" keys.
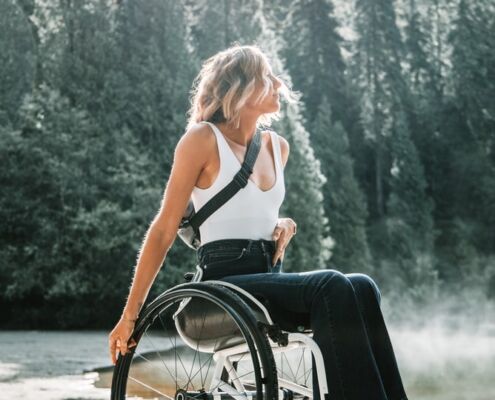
{"x": 311, "y": 247}
{"x": 408, "y": 265}
{"x": 377, "y": 75}
{"x": 215, "y": 28}
{"x": 473, "y": 62}
{"x": 16, "y": 60}
{"x": 345, "y": 204}
{"x": 473, "y": 69}
{"x": 408, "y": 200}
{"x": 67, "y": 214}
{"x": 314, "y": 58}
{"x": 402, "y": 227}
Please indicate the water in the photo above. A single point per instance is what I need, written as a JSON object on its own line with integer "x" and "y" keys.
{"x": 440, "y": 364}
{"x": 46, "y": 365}
{"x": 435, "y": 363}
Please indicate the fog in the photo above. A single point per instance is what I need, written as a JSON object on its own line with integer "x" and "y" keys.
{"x": 449, "y": 356}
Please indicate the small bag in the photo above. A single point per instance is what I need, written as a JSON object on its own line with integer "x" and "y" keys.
{"x": 188, "y": 229}
{"x": 186, "y": 232}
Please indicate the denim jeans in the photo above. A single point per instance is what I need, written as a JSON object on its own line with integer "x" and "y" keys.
{"x": 343, "y": 311}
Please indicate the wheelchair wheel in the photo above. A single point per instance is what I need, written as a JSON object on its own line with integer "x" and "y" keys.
{"x": 295, "y": 371}
{"x": 197, "y": 341}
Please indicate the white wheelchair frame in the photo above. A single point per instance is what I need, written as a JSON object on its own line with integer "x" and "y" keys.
{"x": 224, "y": 358}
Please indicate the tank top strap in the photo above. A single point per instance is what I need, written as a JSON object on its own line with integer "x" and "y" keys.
{"x": 217, "y": 133}
{"x": 225, "y": 152}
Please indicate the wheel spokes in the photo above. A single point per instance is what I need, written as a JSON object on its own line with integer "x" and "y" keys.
{"x": 150, "y": 388}
{"x": 186, "y": 365}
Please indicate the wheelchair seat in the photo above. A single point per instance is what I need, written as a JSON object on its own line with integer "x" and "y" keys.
{"x": 287, "y": 320}
{"x": 204, "y": 325}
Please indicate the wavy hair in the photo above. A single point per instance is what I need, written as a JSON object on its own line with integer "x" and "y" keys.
{"x": 225, "y": 82}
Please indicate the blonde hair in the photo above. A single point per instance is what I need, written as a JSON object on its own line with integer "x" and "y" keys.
{"x": 225, "y": 82}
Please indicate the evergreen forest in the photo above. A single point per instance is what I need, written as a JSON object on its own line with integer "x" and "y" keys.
{"x": 392, "y": 164}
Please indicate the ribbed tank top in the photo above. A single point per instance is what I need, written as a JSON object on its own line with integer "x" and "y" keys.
{"x": 251, "y": 213}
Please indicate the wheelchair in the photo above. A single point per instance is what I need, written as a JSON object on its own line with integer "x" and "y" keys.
{"x": 213, "y": 340}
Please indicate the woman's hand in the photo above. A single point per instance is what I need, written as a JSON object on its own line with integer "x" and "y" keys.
{"x": 282, "y": 234}
{"x": 119, "y": 337}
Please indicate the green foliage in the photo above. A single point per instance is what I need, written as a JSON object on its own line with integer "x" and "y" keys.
{"x": 345, "y": 205}
{"x": 408, "y": 200}
{"x": 16, "y": 61}
{"x": 304, "y": 199}
{"x": 401, "y": 231}
{"x": 73, "y": 207}
{"x": 396, "y": 116}
{"x": 311, "y": 248}
{"x": 473, "y": 66}
{"x": 314, "y": 57}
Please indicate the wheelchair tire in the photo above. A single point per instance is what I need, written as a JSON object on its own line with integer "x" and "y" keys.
{"x": 177, "y": 327}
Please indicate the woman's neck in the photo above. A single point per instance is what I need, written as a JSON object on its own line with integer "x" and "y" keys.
{"x": 241, "y": 136}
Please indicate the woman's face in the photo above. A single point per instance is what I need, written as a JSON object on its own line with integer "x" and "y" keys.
{"x": 271, "y": 102}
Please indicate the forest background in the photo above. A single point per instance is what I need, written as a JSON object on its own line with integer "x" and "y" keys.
{"x": 392, "y": 166}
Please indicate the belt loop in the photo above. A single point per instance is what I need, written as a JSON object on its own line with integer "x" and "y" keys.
{"x": 250, "y": 243}
{"x": 267, "y": 256}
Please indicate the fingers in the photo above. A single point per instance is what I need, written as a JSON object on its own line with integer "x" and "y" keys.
{"x": 112, "y": 351}
{"x": 278, "y": 254}
{"x": 114, "y": 343}
{"x": 279, "y": 251}
{"x": 123, "y": 348}
{"x": 277, "y": 232}
{"x": 283, "y": 232}
{"x": 119, "y": 346}
{"x": 282, "y": 237}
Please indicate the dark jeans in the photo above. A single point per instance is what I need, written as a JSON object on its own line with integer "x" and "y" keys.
{"x": 343, "y": 310}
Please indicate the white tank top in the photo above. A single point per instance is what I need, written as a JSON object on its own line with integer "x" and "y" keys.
{"x": 251, "y": 213}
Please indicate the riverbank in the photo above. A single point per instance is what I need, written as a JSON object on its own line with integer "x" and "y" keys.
{"x": 435, "y": 364}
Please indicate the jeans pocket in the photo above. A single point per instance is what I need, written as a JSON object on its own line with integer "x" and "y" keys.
{"x": 224, "y": 258}
{"x": 225, "y": 255}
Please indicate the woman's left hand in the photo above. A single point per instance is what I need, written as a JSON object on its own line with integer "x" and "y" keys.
{"x": 282, "y": 234}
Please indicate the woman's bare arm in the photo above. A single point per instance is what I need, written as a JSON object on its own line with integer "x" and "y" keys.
{"x": 284, "y": 149}
{"x": 286, "y": 227}
{"x": 190, "y": 157}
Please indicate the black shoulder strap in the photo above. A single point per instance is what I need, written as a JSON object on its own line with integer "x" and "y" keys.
{"x": 239, "y": 181}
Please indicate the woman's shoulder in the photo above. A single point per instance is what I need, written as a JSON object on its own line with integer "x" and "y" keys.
{"x": 284, "y": 146}
{"x": 198, "y": 135}
{"x": 198, "y": 132}
{"x": 196, "y": 142}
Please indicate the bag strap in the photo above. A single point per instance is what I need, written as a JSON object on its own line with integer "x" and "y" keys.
{"x": 239, "y": 181}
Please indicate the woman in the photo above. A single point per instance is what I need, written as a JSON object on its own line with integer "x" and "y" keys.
{"x": 244, "y": 241}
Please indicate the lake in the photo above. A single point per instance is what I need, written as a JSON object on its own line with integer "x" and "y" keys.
{"x": 435, "y": 363}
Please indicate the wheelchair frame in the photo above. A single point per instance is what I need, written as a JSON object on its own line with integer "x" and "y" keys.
{"x": 294, "y": 340}
{"x": 279, "y": 341}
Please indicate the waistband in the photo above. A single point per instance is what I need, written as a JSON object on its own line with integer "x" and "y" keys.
{"x": 261, "y": 245}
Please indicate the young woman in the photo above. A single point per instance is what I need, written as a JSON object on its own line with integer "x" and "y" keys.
{"x": 244, "y": 241}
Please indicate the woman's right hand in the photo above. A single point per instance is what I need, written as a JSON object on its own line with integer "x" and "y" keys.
{"x": 119, "y": 337}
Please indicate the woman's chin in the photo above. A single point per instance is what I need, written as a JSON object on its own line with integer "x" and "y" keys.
{"x": 274, "y": 107}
